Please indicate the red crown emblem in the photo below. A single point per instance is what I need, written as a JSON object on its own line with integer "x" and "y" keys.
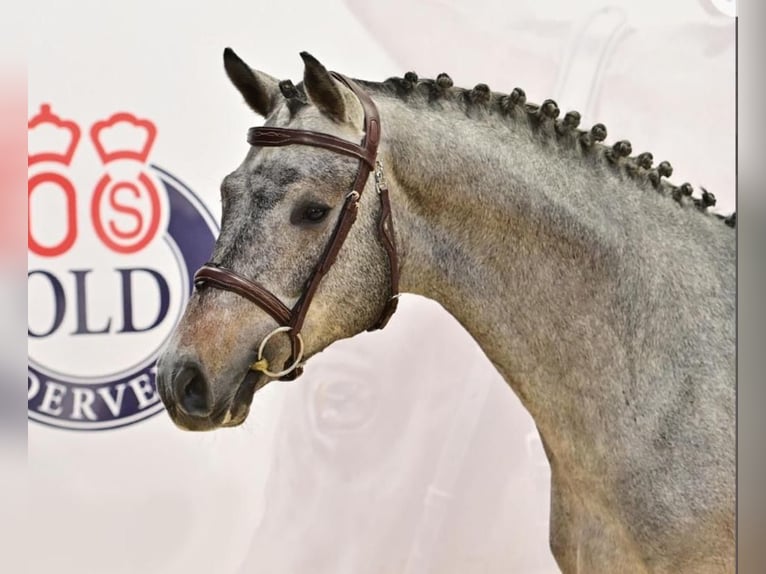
{"x": 111, "y": 146}
{"x": 66, "y": 150}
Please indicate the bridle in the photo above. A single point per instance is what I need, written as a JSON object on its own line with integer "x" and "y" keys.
{"x": 291, "y": 320}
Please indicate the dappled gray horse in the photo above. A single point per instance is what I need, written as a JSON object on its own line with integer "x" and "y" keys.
{"x": 602, "y": 293}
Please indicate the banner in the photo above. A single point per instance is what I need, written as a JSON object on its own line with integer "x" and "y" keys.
{"x": 399, "y": 451}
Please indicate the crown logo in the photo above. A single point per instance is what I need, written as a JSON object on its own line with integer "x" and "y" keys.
{"x": 109, "y": 137}
{"x": 66, "y": 132}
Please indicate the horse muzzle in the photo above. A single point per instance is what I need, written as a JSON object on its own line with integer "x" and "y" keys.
{"x": 196, "y": 404}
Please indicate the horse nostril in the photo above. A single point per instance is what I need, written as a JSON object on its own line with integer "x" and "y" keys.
{"x": 192, "y": 392}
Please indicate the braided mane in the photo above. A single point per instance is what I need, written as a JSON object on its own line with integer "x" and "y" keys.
{"x": 542, "y": 119}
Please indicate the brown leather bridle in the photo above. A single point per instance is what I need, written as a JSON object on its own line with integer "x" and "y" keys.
{"x": 291, "y": 320}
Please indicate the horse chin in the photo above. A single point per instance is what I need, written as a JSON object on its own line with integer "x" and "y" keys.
{"x": 240, "y": 405}
{"x": 234, "y": 420}
{"x": 236, "y": 414}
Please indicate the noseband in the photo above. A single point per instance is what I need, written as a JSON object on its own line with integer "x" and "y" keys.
{"x": 291, "y": 320}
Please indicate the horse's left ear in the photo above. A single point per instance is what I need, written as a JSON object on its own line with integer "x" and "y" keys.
{"x": 323, "y": 91}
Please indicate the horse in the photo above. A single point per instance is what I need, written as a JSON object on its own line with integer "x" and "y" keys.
{"x": 603, "y": 293}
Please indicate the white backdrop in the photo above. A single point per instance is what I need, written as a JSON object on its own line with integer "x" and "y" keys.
{"x": 398, "y": 451}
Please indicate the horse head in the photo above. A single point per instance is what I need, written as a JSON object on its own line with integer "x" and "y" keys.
{"x": 289, "y": 273}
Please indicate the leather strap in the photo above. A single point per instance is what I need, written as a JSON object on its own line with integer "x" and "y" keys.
{"x": 225, "y": 279}
{"x": 278, "y": 137}
{"x": 386, "y": 233}
{"x": 346, "y": 220}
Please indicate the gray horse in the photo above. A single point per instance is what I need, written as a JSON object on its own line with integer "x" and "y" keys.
{"x": 604, "y": 295}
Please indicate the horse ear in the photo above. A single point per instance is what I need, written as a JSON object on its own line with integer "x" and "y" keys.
{"x": 323, "y": 91}
{"x": 260, "y": 90}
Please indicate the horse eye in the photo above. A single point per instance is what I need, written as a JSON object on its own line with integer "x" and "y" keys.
{"x": 315, "y": 213}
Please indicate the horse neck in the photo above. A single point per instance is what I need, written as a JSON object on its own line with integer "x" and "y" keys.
{"x": 517, "y": 240}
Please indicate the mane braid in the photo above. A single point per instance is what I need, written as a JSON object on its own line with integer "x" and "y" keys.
{"x": 544, "y": 120}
